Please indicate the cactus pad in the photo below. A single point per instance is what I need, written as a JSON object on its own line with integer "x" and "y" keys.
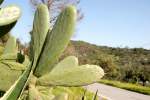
{"x": 8, "y": 18}
{"x": 57, "y": 40}
{"x": 39, "y": 32}
{"x": 9, "y": 15}
{"x": 69, "y": 73}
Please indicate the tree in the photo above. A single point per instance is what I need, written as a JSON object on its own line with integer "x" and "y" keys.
{"x": 56, "y": 6}
{"x": 144, "y": 74}
{"x": 107, "y": 62}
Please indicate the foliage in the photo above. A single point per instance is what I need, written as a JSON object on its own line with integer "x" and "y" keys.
{"x": 123, "y": 64}
{"x": 91, "y": 54}
{"x": 42, "y": 73}
{"x": 127, "y": 86}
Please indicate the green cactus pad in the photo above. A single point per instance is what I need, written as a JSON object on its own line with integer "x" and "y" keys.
{"x": 9, "y": 72}
{"x": 1, "y": 50}
{"x": 67, "y": 74}
{"x": 8, "y": 18}
{"x": 11, "y": 46}
{"x": 9, "y": 15}
{"x": 57, "y": 40}
{"x": 39, "y": 32}
{"x": 8, "y": 56}
{"x": 17, "y": 88}
{"x": 14, "y": 65}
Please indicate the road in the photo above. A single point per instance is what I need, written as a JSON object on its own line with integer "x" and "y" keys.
{"x": 113, "y": 93}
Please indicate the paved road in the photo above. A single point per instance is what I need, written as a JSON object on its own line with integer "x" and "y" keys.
{"x": 113, "y": 93}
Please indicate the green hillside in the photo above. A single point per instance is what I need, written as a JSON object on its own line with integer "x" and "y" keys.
{"x": 124, "y": 64}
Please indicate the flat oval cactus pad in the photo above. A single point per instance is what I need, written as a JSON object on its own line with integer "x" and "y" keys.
{"x": 8, "y": 18}
{"x": 9, "y": 15}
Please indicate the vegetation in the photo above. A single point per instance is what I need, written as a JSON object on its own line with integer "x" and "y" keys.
{"x": 45, "y": 73}
{"x": 39, "y": 76}
{"x": 128, "y": 86}
{"x": 123, "y": 64}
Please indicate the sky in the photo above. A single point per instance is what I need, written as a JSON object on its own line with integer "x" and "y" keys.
{"x": 115, "y": 23}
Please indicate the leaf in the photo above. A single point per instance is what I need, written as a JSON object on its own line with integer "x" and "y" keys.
{"x": 24, "y": 95}
{"x": 8, "y": 18}
{"x": 39, "y": 32}
{"x": 84, "y": 97}
{"x": 95, "y": 96}
{"x": 71, "y": 75}
{"x": 11, "y": 46}
{"x": 57, "y": 40}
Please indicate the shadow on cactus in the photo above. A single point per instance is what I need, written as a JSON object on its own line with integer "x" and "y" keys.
{"x": 43, "y": 72}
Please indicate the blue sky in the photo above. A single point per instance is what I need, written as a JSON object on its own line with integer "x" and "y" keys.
{"x": 116, "y": 23}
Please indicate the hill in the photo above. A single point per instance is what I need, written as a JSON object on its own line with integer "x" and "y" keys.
{"x": 123, "y": 64}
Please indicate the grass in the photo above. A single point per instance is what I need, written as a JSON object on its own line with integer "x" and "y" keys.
{"x": 127, "y": 86}
{"x": 74, "y": 93}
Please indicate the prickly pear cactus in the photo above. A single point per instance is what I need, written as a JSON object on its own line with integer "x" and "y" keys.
{"x": 43, "y": 72}
{"x": 10, "y": 70}
{"x": 8, "y": 18}
{"x": 39, "y": 32}
{"x": 56, "y": 41}
{"x": 69, "y": 73}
